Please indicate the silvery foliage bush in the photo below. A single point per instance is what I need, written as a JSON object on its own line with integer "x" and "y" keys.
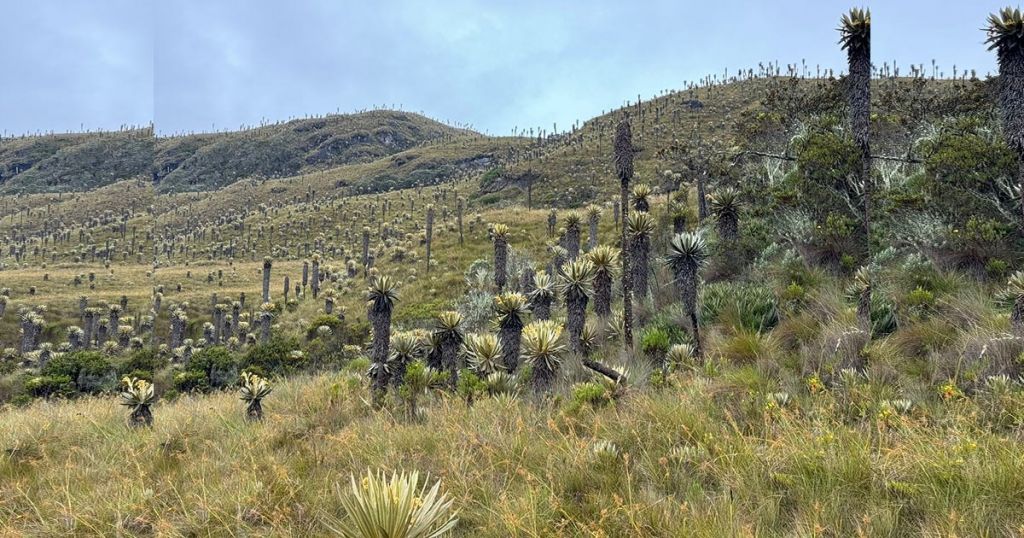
{"x": 477, "y": 306}
{"x": 518, "y": 261}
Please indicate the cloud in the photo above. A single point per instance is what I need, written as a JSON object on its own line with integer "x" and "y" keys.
{"x": 69, "y": 65}
{"x": 194, "y": 65}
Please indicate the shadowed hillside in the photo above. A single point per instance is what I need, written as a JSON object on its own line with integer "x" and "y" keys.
{"x": 211, "y": 161}
{"x": 80, "y": 162}
{"x": 73, "y": 162}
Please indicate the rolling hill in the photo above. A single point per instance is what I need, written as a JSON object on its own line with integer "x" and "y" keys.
{"x": 202, "y": 162}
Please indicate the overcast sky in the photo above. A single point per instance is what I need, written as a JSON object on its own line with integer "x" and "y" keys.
{"x": 197, "y": 65}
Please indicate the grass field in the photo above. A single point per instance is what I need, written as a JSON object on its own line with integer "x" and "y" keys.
{"x": 705, "y": 455}
{"x": 813, "y": 411}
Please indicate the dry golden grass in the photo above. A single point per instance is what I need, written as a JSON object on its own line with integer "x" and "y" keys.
{"x": 681, "y": 465}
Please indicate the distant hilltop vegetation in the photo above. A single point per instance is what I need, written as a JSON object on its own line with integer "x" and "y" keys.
{"x": 86, "y": 161}
{"x": 714, "y": 122}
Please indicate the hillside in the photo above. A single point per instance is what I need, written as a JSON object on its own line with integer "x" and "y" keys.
{"x": 789, "y": 374}
{"x": 81, "y": 162}
{"x": 706, "y": 128}
{"x": 73, "y": 162}
{"x": 212, "y": 161}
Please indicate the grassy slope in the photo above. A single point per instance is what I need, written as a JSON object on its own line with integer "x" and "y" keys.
{"x": 73, "y": 162}
{"x": 514, "y": 469}
{"x": 809, "y": 468}
{"x": 583, "y": 159}
{"x": 423, "y": 296}
{"x": 434, "y": 161}
{"x": 211, "y": 161}
{"x": 832, "y": 463}
{"x": 78, "y": 162}
{"x": 137, "y": 280}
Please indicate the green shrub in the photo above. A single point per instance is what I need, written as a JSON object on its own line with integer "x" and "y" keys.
{"x": 45, "y": 386}
{"x": 219, "y": 365}
{"x": 962, "y": 164}
{"x": 490, "y": 176}
{"x": 359, "y": 365}
{"x": 470, "y": 386}
{"x": 826, "y": 157}
{"x": 920, "y": 301}
{"x": 334, "y": 323}
{"x": 143, "y": 364}
{"x": 997, "y": 269}
{"x": 672, "y": 323}
{"x": 654, "y": 342}
{"x": 90, "y": 371}
{"x": 191, "y": 381}
{"x": 591, "y": 394}
{"x": 489, "y": 199}
{"x": 918, "y": 272}
{"x": 273, "y": 358}
{"x": 322, "y": 355}
{"x": 794, "y": 295}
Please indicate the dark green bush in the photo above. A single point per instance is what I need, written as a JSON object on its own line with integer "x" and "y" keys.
{"x": 324, "y": 320}
{"x": 470, "y": 386}
{"x": 191, "y": 381}
{"x": 45, "y": 386}
{"x": 90, "y": 371}
{"x": 324, "y": 355}
{"x": 676, "y": 328}
{"x": 218, "y": 364}
{"x": 143, "y": 363}
{"x": 274, "y": 357}
{"x": 825, "y": 160}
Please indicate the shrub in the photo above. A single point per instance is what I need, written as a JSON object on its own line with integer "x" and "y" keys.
{"x": 469, "y": 386}
{"x": 590, "y": 394}
{"x": 90, "y": 371}
{"x": 962, "y": 163}
{"x": 322, "y": 355}
{"x": 358, "y": 365}
{"x": 794, "y": 295}
{"x": 477, "y": 308}
{"x": 997, "y": 269}
{"x": 920, "y": 302}
{"x": 191, "y": 381}
{"x": 918, "y": 272}
{"x": 50, "y": 385}
{"x": 977, "y": 243}
{"x": 654, "y": 342}
{"x": 143, "y": 363}
{"x": 324, "y": 320}
{"x": 274, "y": 357}
{"x": 672, "y": 321}
{"x": 219, "y": 365}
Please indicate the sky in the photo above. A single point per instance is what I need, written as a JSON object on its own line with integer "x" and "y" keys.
{"x": 494, "y": 65}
